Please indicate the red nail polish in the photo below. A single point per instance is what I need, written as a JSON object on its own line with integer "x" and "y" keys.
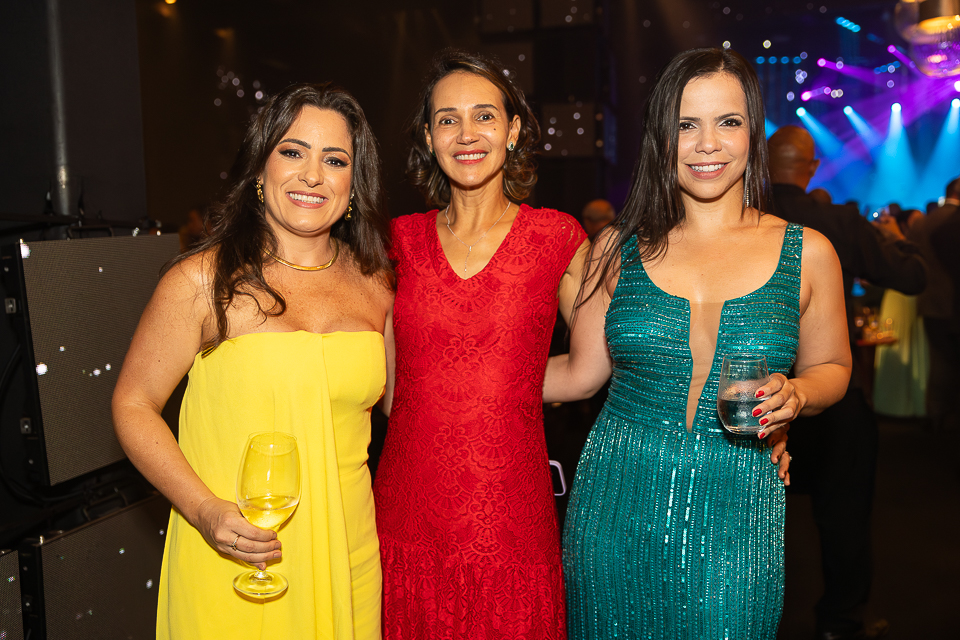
{"x": 764, "y": 421}
{"x": 759, "y": 394}
{"x": 756, "y": 412}
{"x": 763, "y": 435}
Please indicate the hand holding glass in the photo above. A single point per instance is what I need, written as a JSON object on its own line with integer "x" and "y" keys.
{"x": 268, "y": 491}
{"x": 740, "y": 378}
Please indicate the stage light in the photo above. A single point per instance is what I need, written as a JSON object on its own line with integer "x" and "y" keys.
{"x": 768, "y": 127}
{"x": 828, "y": 143}
{"x": 796, "y": 59}
{"x": 761, "y": 59}
{"x": 896, "y": 174}
{"x": 806, "y": 95}
{"x": 840, "y": 64}
{"x": 773, "y": 60}
{"x": 726, "y": 44}
{"x": 941, "y": 164}
{"x": 891, "y": 49}
{"x": 784, "y": 60}
{"x": 890, "y": 84}
{"x": 871, "y": 138}
{"x": 956, "y": 85}
{"x": 766, "y": 44}
{"x": 933, "y": 29}
{"x": 791, "y": 96}
{"x": 803, "y": 55}
{"x": 821, "y": 62}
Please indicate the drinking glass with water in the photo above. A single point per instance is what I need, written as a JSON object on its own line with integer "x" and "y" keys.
{"x": 740, "y": 378}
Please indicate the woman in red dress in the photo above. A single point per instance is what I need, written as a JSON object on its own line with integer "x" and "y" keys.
{"x": 465, "y": 508}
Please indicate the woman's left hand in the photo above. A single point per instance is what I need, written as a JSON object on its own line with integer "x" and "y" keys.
{"x": 781, "y": 404}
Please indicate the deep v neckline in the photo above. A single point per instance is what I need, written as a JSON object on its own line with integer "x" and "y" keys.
{"x": 447, "y": 271}
{"x": 698, "y": 410}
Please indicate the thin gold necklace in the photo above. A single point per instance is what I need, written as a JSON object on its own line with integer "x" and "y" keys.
{"x": 471, "y": 246}
{"x": 300, "y": 267}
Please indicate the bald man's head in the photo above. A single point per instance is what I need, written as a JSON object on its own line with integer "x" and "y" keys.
{"x": 596, "y": 215}
{"x": 792, "y": 156}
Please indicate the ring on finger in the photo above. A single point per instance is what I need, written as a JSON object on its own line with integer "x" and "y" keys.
{"x": 234, "y": 544}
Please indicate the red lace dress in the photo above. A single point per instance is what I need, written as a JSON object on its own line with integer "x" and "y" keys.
{"x": 465, "y": 508}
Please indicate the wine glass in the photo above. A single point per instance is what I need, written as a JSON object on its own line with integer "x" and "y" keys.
{"x": 268, "y": 490}
{"x": 740, "y": 377}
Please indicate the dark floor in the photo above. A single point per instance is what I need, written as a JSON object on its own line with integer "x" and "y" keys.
{"x": 916, "y": 527}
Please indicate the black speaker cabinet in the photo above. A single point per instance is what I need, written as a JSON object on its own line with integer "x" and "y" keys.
{"x": 75, "y": 305}
{"x": 11, "y": 612}
{"x": 99, "y": 580}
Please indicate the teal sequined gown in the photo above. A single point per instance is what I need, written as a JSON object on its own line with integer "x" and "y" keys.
{"x": 673, "y": 534}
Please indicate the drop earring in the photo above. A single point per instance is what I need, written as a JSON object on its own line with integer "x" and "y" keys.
{"x": 259, "y": 190}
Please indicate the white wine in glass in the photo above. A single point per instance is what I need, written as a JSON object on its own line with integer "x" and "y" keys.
{"x": 268, "y": 491}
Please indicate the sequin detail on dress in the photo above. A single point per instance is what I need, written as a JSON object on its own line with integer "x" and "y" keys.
{"x": 673, "y": 534}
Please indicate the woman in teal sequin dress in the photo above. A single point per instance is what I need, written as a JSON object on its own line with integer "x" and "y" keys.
{"x": 675, "y": 527}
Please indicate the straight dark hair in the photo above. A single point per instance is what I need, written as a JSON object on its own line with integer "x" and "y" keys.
{"x": 520, "y": 169}
{"x": 240, "y": 236}
{"x": 654, "y": 206}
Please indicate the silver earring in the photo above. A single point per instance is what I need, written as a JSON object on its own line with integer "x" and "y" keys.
{"x": 510, "y": 147}
{"x": 746, "y": 199}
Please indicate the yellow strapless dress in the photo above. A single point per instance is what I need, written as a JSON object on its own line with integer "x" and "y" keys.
{"x": 320, "y": 388}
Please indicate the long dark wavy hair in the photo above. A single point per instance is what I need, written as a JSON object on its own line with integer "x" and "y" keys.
{"x": 654, "y": 206}
{"x": 240, "y": 235}
{"x": 520, "y": 169}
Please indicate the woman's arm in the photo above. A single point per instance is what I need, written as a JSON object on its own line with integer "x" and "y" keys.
{"x": 168, "y": 337}
{"x": 583, "y": 371}
{"x": 823, "y": 362}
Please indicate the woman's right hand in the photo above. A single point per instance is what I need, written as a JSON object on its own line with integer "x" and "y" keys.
{"x": 220, "y": 523}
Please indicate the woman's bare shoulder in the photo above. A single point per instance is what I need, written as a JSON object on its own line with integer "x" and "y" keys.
{"x": 816, "y": 246}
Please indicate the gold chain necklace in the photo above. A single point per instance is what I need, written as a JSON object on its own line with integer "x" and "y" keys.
{"x": 300, "y": 267}
{"x": 471, "y": 246}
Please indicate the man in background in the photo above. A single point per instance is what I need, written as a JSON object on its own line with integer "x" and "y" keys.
{"x": 937, "y": 306}
{"x": 836, "y": 451}
{"x": 596, "y": 215}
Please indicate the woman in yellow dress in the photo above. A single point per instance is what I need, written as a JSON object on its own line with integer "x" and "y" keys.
{"x": 279, "y": 318}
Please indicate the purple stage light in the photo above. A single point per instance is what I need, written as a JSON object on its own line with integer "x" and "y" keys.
{"x": 821, "y": 62}
{"x": 806, "y": 95}
{"x": 891, "y": 49}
